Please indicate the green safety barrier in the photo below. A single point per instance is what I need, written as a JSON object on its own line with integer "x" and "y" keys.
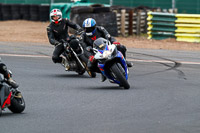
{"x": 183, "y": 27}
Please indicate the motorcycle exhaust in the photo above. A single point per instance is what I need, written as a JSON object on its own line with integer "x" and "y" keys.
{"x": 71, "y": 66}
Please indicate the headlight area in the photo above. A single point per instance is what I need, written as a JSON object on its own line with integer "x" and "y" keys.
{"x": 107, "y": 54}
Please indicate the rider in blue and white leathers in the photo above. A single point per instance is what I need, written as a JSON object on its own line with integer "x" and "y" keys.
{"x": 93, "y": 32}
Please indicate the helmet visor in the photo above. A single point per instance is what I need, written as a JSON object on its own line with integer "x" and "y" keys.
{"x": 56, "y": 17}
{"x": 89, "y": 29}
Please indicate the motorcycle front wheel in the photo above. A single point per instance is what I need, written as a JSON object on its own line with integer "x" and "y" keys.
{"x": 17, "y": 104}
{"x": 120, "y": 76}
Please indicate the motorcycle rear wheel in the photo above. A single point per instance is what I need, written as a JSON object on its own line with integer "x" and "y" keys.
{"x": 81, "y": 73}
{"x": 120, "y": 76}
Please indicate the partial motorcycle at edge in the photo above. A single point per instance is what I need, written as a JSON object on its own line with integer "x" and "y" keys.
{"x": 10, "y": 98}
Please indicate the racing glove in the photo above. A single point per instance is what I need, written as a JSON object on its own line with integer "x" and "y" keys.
{"x": 116, "y": 43}
{"x": 91, "y": 58}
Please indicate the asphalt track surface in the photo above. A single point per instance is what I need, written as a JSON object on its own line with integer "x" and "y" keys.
{"x": 163, "y": 98}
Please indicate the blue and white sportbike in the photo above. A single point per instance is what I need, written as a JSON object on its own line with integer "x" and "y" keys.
{"x": 111, "y": 62}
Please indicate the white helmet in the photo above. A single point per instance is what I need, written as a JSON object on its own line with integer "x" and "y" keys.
{"x": 54, "y": 13}
{"x": 89, "y": 25}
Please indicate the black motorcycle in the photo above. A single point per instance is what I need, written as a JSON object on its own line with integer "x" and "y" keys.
{"x": 75, "y": 59}
{"x": 10, "y": 98}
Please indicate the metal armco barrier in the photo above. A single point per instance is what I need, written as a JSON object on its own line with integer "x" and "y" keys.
{"x": 183, "y": 27}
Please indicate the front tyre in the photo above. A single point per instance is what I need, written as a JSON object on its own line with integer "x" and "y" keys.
{"x": 17, "y": 104}
{"x": 120, "y": 76}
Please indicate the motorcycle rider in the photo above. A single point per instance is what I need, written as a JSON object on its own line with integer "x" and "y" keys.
{"x": 93, "y": 32}
{"x": 7, "y": 75}
{"x": 58, "y": 31}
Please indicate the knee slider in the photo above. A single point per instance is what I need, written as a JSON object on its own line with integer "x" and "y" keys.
{"x": 55, "y": 59}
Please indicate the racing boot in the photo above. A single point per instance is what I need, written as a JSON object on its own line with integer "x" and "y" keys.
{"x": 89, "y": 69}
{"x": 18, "y": 94}
{"x": 12, "y": 83}
{"x": 103, "y": 78}
{"x": 129, "y": 64}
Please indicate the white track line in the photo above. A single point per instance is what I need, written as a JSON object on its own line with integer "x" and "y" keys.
{"x": 136, "y": 60}
{"x": 24, "y": 55}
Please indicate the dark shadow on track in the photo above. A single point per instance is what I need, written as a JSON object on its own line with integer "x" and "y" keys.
{"x": 10, "y": 114}
{"x": 69, "y": 76}
{"x": 104, "y": 88}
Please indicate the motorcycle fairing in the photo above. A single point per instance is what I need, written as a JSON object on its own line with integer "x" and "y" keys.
{"x": 119, "y": 58}
{"x": 8, "y": 100}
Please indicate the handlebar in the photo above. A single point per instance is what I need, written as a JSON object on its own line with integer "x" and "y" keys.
{"x": 78, "y": 32}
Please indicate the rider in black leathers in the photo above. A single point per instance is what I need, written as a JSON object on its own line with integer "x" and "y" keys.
{"x": 7, "y": 75}
{"x": 58, "y": 31}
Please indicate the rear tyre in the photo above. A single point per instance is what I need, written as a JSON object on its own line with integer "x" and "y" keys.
{"x": 81, "y": 73}
{"x": 17, "y": 105}
{"x": 120, "y": 76}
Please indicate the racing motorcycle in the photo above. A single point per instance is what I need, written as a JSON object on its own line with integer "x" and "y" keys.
{"x": 111, "y": 62}
{"x": 10, "y": 98}
{"x": 74, "y": 56}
